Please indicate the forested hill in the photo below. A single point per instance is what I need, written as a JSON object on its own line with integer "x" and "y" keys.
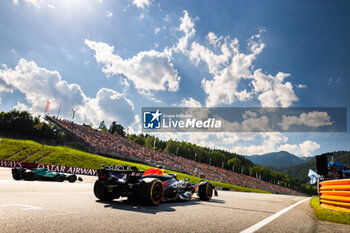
{"x": 277, "y": 159}
{"x": 300, "y": 171}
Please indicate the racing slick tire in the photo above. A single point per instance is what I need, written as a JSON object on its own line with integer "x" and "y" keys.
{"x": 205, "y": 190}
{"x": 72, "y": 178}
{"x": 16, "y": 175}
{"x": 104, "y": 193}
{"x": 152, "y": 191}
{"x": 59, "y": 178}
{"x": 29, "y": 176}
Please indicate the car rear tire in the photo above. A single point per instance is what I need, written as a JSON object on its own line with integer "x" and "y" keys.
{"x": 59, "y": 178}
{"x": 16, "y": 175}
{"x": 72, "y": 178}
{"x": 152, "y": 190}
{"x": 205, "y": 190}
{"x": 29, "y": 176}
{"x": 103, "y": 193}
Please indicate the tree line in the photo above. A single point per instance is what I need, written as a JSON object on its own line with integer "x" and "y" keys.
{"x": 23, "y": 123}
{"x": 221, "y": 158}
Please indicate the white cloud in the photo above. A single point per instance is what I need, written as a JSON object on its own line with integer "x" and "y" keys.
{"x": 272, "y": 91}
{"x": 269, "y": 144}
{"x": 33, "y": 2}
{"x": 40, "y": 85}
{"x": 157, "y": 30}
{"x": 167, "y": 18}
{"x": 311, "y": 119}
{"x": 187, "y": 27}
{"x": 109, "y": 14}
{"x": 302, "y": 149}
{"x": 190, "y": 102}
{"x": 4, "y": 87}
{"x": 109, "y": 105}
{"x": 21, "y": 107}
{"x": 228, "y": 139}
{"x": 141, "y": 3}
{"x": 142, "y": 16}
{"x": 274, "y": 142}
{"x": 334, "y": 81}
{"x": 301, "y": 86}
{"x": 228, "y": 67}
{"x": 251, "y": 123}
{"x": 148, "y": 70}
{"x": 213, "y": 39}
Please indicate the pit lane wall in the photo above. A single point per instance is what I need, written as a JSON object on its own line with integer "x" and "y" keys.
{"x": 55, "y": 168}
{"x": 335, "y": 194}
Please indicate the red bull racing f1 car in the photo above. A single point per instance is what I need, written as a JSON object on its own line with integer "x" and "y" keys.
{"x": 147, "y": 187}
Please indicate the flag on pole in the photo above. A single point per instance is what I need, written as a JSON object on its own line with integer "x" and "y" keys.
{"x": 47, "y": 106}
{"x": 59, "y": 110}
{"x": 73, "y": 114}
{"x": 314, "y": 176}
{"x": 195, "y": 156}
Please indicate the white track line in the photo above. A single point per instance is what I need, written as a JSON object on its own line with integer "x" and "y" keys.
{"x": 262, "y": 223}
{"x": 27, "y": 207}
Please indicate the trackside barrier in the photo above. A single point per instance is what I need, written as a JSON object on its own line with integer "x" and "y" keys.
{"x": 335, "y": 195}
{"x": 55, "y": 168}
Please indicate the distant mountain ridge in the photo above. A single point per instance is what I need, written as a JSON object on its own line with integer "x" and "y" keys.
{"x": 300, "y": 171}
{"x": 277, "y": 159}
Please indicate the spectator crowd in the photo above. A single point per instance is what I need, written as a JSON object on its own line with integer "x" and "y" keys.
{"x": 114, "y": 144}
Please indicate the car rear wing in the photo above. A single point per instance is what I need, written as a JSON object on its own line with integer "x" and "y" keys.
{"x": 129, "y": 173}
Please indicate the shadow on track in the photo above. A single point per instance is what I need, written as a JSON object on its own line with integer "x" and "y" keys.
{"x": 124, "y": 204}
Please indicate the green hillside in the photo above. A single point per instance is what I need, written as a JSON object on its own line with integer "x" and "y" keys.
{"x": 300, "y": 171}
{"x": 15, "y": 150}
{"x": 277, "y": 159}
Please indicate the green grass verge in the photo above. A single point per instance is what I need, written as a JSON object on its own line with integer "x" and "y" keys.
{"x": 61, "y": 155}
{"x": 329, "y": 215}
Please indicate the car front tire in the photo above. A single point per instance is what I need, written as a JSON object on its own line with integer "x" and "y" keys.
{"x": 205, "y": 191}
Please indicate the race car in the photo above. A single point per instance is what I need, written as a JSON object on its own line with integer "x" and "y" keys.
{"x": 19, "y": 173}
{"x": 148, "y": 187}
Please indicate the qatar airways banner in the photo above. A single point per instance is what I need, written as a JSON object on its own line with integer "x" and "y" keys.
{"x": 54, "y": 168}
{"x": 177, "y": 119}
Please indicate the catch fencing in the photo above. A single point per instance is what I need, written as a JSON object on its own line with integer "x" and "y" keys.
{"x": 335, "y": 194}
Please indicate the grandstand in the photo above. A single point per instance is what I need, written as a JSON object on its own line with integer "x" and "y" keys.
{"x": 119, "y": 147}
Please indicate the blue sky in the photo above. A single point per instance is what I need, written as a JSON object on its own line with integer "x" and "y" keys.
{"x": 107, "y": 59}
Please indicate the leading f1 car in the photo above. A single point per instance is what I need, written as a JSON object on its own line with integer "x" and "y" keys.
{"x": 44, "y": 174}
{"x": 147, "y": 187}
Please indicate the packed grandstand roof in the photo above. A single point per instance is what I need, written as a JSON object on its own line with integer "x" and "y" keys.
{"x": 120, "y": 147}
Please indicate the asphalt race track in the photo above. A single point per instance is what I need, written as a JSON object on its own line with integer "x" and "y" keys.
{"x": 37, "y": 206}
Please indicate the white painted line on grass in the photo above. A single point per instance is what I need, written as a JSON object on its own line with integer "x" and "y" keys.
{"x": 271, "y": 218}
{"x": 27, "y": 207}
